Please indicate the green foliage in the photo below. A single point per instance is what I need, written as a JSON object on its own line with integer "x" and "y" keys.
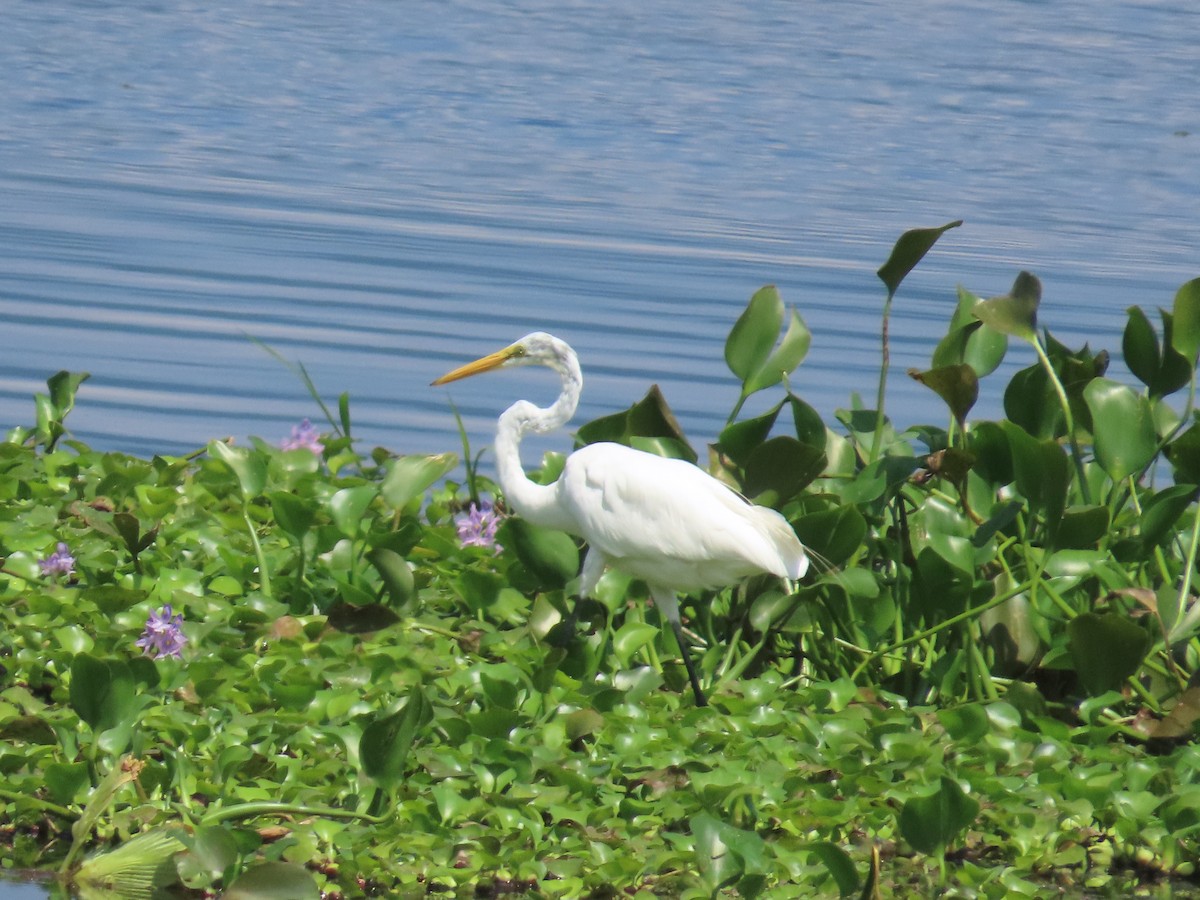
{"x": 983, "y": 687}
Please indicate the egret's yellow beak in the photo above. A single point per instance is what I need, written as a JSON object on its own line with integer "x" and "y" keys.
{"x": 485, "y": 364}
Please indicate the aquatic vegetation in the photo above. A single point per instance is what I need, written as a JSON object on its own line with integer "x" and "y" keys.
{"x": 986, "y": 689}
{"x": 163, "y": 635}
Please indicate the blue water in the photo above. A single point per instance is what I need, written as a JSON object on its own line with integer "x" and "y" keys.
{"x": 381, "y": 190}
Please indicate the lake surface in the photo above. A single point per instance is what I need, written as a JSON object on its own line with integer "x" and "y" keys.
{"x": 381, "y": 190}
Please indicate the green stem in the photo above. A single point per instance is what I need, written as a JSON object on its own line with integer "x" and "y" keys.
{"x": 264, "y": 572}
{"x": 1185, "y": 589}
{"x": 883, "y": 373}
{"x": 942, "y": 626}
{"x": 1076, "y": 453}
{"x": 272, "y": 808}
{"x": 60, "y": 811}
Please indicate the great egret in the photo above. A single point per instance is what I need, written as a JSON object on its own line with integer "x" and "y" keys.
{"x": 662, "y": 520}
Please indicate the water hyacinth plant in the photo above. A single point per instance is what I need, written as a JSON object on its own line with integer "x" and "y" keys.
{"x": 163, "y": 635}
{"x": 60, "y": 562}
{"x": 988, "y": 691}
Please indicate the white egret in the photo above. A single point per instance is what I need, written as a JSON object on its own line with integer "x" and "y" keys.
{"x": 664, "y": 521}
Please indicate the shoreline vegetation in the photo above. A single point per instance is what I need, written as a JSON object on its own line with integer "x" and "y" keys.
{"x": 298, "y": 669}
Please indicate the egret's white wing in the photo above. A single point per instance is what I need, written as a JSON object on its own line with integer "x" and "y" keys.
{"x": 671, "y": 523}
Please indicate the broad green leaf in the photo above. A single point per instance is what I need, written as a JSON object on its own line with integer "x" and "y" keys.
{"x": 969, "y": 341}
{"x": 910, "y": 248}
{"x": 1139, "y": 346}
{"x": 66, "y": 782}
{"x": 408, "y": 477}
{"x": 550, "y": 556}
{"x": 63, "y": 386}
{"x": 396, "y": 574}
{"x": 1083, "y": 527}
{"x": 783, "y": 359}
{"x": 650, "y": 417}
{"x": 932, "y": 822}
{"x": 1162, "y": 511}
{"x": 957, "y": 385}
{"x": 1042, "y": 473}
{"x": 102, "y": 691}
{"x": 249, "y": 466}
{"x": 1184, "y": 455}
{"x": 348, "y": 506}
{"x": 835, "y": 534}
{"x": 738, "y": 440}
{"x": 273, "y": 881}
{"x": 386, "y": 741}
{"x": 292, "y": 514}
{"x": 780, "y": 468}
{"x": 839, "y": 865}
{"x": 211, "y": 852}
{"x": 1123, "y": 428}
{"x": 810, "y": 428}
{"x": 1186, "y": 336}
{"x": 1014, "y": 313}
{"x": 631, "y": 637}
{"x": 754, "y": 333}
{"x": 1107, "y": 649}
{"x": 965, "y": 723}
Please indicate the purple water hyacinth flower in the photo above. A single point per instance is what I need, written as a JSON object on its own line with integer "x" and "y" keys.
{"x": 304, "y": 435}
{"x": 60, "y": 562}
{"x": 477, "y": 526}
{"x": 164, "y": 635}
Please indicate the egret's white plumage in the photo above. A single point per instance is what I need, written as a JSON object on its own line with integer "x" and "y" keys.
{"x": 662, "y": 520}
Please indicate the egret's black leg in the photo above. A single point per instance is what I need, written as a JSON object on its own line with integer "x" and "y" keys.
{"x": 685, "y": 652}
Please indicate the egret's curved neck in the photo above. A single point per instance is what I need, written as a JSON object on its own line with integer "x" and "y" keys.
{"x": 536, "y": 502}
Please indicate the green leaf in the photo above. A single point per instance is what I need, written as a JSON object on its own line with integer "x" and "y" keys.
{"x": 396, "y": 574}
{"x": 1139, "y": 345}
{"x": 1106, "y": 649}
{"x": 292, "y": 514}
{"x": 1042, "y": 473}
{"x": 631, "y": 637}
{"x": 839, "y": 865}
{"x": 1014, "y": 313}
{"x": 780, "y": 468}
{"x": 1123, "y": 428}
{"x": 273, "y": 881}
{"x": 739, "y": 440}
{"x": 386, "y": 741}
{"x": 1186, "y": 336}
{"x": 930, "y": 823}
{"x": 784, "y": 358}
{"x": 66, "y": 782}
{"x": 650, "y": 417}
{"x": 550, "y": 556}
{"x": 909, "y": 249}
{"x": 1162, "y": 511}
{"x": 754, "y": 333}
{"x": 249, "y": 466}
{"x": 408, "y": 477}
{"x": 969, "y": 341}
{"x": 102, "y": 692}
{"x": 348, "y": 506}
{"x": 810, "y": 428}
{"x": 957, "y": 385}
{"x": 211, "y": 852}
{"x": 834, "y": 534}
{"x": 63, "y": 385}
{"x": 1184, "y": 456}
